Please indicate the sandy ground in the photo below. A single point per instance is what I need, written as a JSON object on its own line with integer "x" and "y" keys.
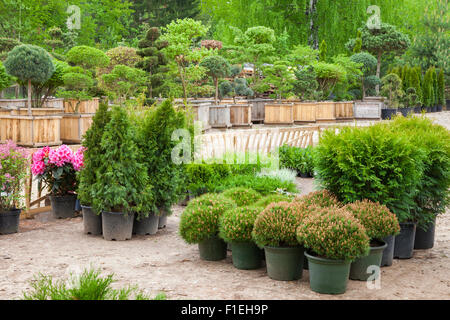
{"x": 164, "y": 263}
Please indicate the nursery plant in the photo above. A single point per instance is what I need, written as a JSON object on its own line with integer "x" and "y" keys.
{"x": 334, "y": 238}
{"x": 242, "y": 196}
{"x": 272, "y": 198}
{"x": 322, "y": 199}
{"x": 56, "y": 169}
{"x": 381, "y": 226}
{"x": 299, "y": 159}
{"x": 392, "y": 89}
{"x": 14, "y": 166}
{"x": 235, "y": 227}
{"x": 217, "y": 67}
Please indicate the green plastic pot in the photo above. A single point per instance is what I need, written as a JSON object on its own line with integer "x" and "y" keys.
{"x": 246, "y": 255}
{"x": 328, "y": 276}
{"x": 213, "y": 249}
{"x": 284, "y": 263}
{"x": 361, "y": 270}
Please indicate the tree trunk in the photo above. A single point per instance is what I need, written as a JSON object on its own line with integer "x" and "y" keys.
{"x": 183, "y": 83}
{"x": 311, "y": 12}
{"x": 363, "y": 89}
{"x": 216, "y": 82}
{"x": 378, "y": 72}
{"x": 29, "y": 97}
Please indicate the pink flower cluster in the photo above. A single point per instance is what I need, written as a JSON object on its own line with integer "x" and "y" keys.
{"x": 56, "y": 157}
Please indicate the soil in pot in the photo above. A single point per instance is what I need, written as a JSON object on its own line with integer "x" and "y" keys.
{"x": 328, "y": 276}
{"x": 92, "y": 222}
{"x": 388, "y": 253}
{"x": 284, "y": 263}
{"x": 387, "y": 114}
{"x": 213, "y": 249}
{"x": 404, "y": 242}
{"x": 117, "y": 226}
{"x": 363, "y": 268}
{"x": 146, "y": 226}
{"x": 63, "y": 207}
{"x": 425, "y": 237}
{"x": 246, "y": 255}
{"x": 9, "y": 221}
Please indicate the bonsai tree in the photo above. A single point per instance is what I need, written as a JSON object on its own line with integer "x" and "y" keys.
{"x": 124, "y": 82}
{"x": 6, "y": 45}
{"x": 92, "y": 145}
{"x": 77, "y": 85}
{"x": 411, "y": 98}
{"x": 280, "y": 77}
{"x": 305, "y": 86}
{"x": 237, "y": 88}
{"x": 392, "y": 89}
{"x": 216, "y": 67}
{"x": 378, "y": 42}
{"x": 30, "y": 64}
{"x": 41, "y": 91}
{"x": 369, "y": 64}
{"x": 122, "y": 184}
{"x": 302, "y": 55}
{"x": 328, "y": 75}
{"x": 242, "y": 196}
{"x": 55, "y": 40}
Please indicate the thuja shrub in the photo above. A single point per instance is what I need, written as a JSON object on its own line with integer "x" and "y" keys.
{"x": 242, "y": 196}
{"x": 322, "y": 198}
{"x": 273, "y": 198}
{"x": 236, "y": 225}
{"x": 373, "y": 163}
{"x": 334, "y": 233}
{"x": 276, "y": 226}
{"x": 376, "y": 218}
{"x": 198, "y": 223}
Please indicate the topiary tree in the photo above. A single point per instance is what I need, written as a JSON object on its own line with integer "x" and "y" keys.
{"x": 392, "y": 89}
{"x": 328, "y": 75}
{"x": 55, "y": 40}
{"x": 30, "y": 64}
{"x": 41, "y": 91}
{"x": 386, "y": 39}
{"x": 6, "y": 45}
{"x": 217, "y": 67}
{"x": 280, "y": 77}
{"x": 77, "y": 84}
{"x": 87, "y": 57}
{"x": 369, "y": 65}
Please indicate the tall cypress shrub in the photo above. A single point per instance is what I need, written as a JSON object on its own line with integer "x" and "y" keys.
{"x": 441, "y": 88}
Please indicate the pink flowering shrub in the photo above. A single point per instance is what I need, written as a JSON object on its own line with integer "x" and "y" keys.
{"x": 57, "y": 168}
{"x": 13, "y": 171}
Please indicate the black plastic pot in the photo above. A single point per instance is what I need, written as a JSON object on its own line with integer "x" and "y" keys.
{"x": 117, "y": 226}
{"x": 406, "y": 111}
{"x": 388, "y": 253}
{"x": 439, "y": 108}
{"x": 425, "y": 237}
{"x": 9, "y": 221}
{"x": 63, "y": 207}
{"x": 387, "y": 114}
{"x": 284, "y": 263}
{"x": 418, "y": 110}
{"x": 429, "y": 109}
{"x": 304, "y": 175}
{"x": 404, "y": 242}
{"x": 146, "y": 226}
{"x": 434, "y": 109}
{"x": 360, "y": 268}
{"x": 92, "y": 222}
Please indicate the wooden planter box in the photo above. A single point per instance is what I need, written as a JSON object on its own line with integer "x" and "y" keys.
{"x": 258, "y": 109}
{"x": 344, "y": 110}
{"x": 201, "y": 113}
{"x": 368, "y": 110}
{"x": 23, "y": 103}
{"x": 279, "y": 113}
{"x": 326, "y": 111}
{"x": 219, "y": 116}
{"x": 241, "y": 115}
{"x": 305, "y": 112}
{"x": 88, "y": 106}
{"x": 74, "y": 126}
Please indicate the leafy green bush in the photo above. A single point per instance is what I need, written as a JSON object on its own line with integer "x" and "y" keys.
{"x": 272, "y": 198}
{"x": 299, "y": 159}
{"x": 236, "y": 225}
{"x": 319, "y": 198}
{"x": 87, "y": 286}
{"x": 198, "y": 223}
{"x": 242, "y": 196}
{"x": 376, "y": 218}
{"x": 373, "y": 163}
{"x": 209, "y": 199}
{"x": 263, "y": 185}
{"x": 276, "y": 226}
{"x": 333, "y": 233}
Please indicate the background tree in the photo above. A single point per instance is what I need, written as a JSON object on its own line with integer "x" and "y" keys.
{"x": 29, "y": 63}
{"x": 428, "y": 88}
{"x": 323, "y": 51}
{"x": 280, "y": 77}
{"x": 216, "y": 67}
{"x": 369, "y": 65}
{"x": 305, "y": 85}
{"x": 302, "y": 56}
{"x": 5, "y": 79}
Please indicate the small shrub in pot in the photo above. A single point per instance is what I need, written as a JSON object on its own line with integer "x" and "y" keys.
{"x": 267, "y": 200}
{"x": 242, "y": 196}
{"x": 322, "y": 198}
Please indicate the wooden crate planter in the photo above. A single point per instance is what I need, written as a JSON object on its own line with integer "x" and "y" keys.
{"x": 74, "y": 126}
{"x": 326, "y": 111}
{"x": 368, "y": 110}
{"x": 219, "y": 116}
{"x": 305, "y": 112}
{"x": 23, "y": 103}
{"x": 344, "y": 110}
{"x": 87, "y": 106}
{"x": 279, "y": 113}
{"x": 201, "y": 113}
{"x": 258, "y": 109}
{"x": 241, "y": 115}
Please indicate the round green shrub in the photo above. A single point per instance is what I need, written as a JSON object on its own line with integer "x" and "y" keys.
{"x": 334, "y": 233}
{"x": 198, "y": 223}
{"x": 276, "y": 226}
{"x": 322, "y": 198}
{"x": 273, "y": 198}
{"x": 242, "y": 196}
{"x": 209, "y": 199}
{"x": 376, "y": 218}
{"x": 236, "y": 225}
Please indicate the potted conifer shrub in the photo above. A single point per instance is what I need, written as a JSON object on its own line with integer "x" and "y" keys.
{"x": 14, "y": 166}
{"x": 57, "y": 169}
{"x": 236, "y": 227}
{"x": 392, "y": 89}
{"x": 323, "y": 198}
{"x": 242, "y": 196}
{"x": 92, "y": 221}
{"x": 274, "y": 230}
{"x": 122, "y": 187}
{"x": 334, "y": 239}
{"x": 199, "y": 224}
{"x": 381, "y": 224}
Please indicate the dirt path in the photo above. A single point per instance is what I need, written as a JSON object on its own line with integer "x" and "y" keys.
{"x": 164, "y": 263}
